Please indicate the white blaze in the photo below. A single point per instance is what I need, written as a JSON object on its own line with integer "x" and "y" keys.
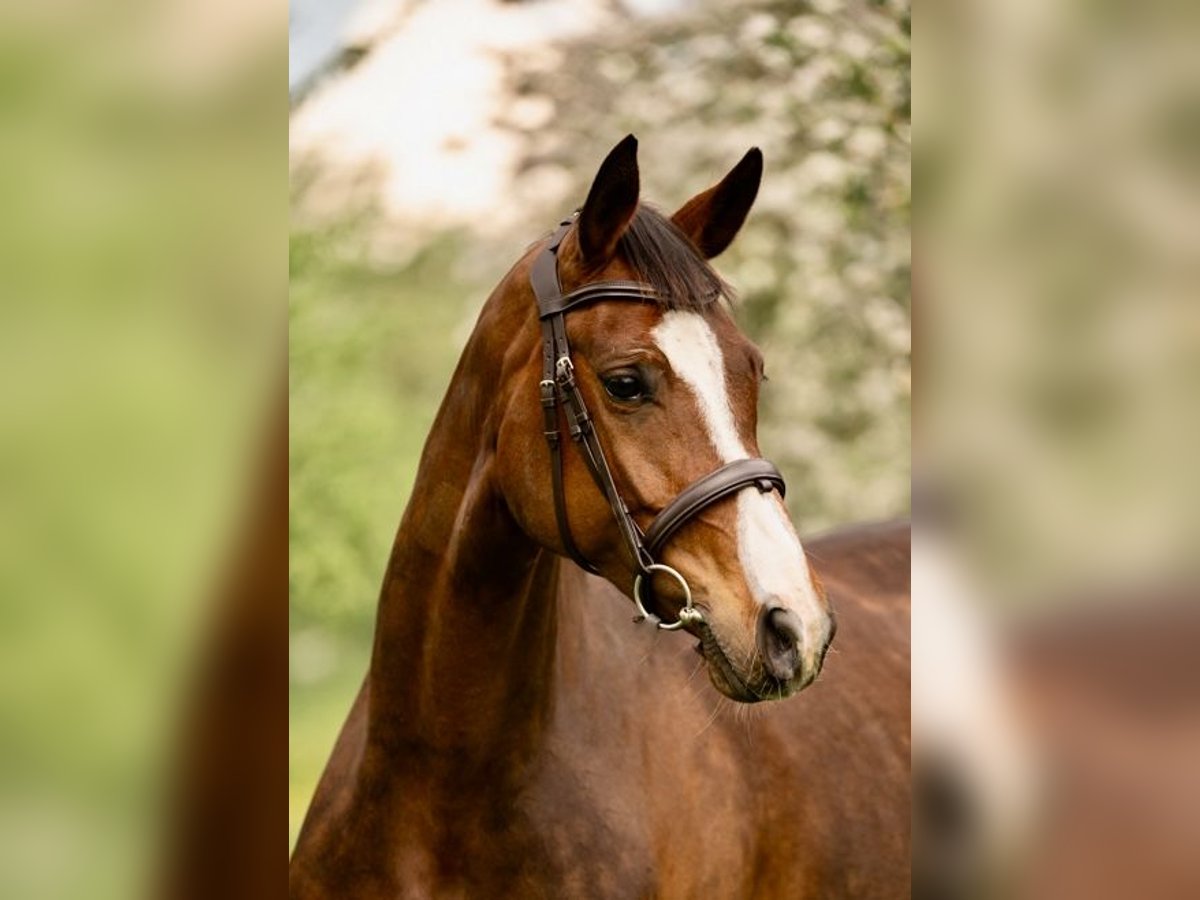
{"x": 773, "y": 561}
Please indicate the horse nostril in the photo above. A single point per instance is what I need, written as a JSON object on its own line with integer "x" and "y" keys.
{"x": 779, "y": 642}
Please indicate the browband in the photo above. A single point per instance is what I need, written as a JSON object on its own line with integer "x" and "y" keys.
{"x": 604, "y": 290}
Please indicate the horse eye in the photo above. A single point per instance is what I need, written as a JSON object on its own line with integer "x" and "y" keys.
{"x": 624, "y": 387}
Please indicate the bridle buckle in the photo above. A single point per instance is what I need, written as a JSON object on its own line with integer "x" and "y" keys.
{"x": 564, "y": 371}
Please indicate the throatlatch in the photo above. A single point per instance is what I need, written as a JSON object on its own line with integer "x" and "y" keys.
{"x": 559, "y": 388}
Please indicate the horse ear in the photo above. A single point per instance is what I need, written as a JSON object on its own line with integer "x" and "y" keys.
{"x": 610, "y": 203}
{"x": 712, "y": 219}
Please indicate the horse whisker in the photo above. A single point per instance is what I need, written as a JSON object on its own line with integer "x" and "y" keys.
{"x": 712, "y": 718}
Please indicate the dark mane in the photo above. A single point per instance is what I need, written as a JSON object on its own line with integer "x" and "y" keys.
{"x": 670, "y": 263}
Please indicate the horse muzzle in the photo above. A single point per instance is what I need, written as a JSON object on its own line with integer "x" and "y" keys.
{"x": 787, "y": 657}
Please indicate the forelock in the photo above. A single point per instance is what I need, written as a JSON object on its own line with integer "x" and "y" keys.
{"x": 662, "y": 256}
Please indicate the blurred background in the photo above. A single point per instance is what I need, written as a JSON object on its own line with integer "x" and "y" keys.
{"x": 432, "y": 142}
{"x": 1056, "y": 678}
{"x": 143, "y": 180}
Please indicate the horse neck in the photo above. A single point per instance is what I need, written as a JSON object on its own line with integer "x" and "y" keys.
{"x": 464, "y": 649}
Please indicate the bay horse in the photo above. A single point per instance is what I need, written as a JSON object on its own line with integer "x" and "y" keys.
{"x": 515, "y": 735}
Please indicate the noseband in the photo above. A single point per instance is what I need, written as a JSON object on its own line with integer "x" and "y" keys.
{"x": 560, "y": 388}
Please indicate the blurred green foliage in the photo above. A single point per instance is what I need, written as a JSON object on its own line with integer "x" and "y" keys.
{"x": 372, "y": 347}
{"x": 1062, "y": 363}
{"x": 371, "y": 350}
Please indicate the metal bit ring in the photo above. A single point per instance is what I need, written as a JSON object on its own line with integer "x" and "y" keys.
{"x": 688, "y": 615}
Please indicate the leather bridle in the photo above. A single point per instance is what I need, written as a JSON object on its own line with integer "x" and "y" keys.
{"x": 560, "y": 388}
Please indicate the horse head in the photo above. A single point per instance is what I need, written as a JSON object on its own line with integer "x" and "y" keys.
{"x": 669, "y": 390}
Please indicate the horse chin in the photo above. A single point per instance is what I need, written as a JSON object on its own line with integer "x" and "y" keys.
{"x": 734, "y": 688}
{"x": 726, "y": 678}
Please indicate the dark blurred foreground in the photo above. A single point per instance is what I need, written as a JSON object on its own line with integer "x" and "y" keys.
{"x": 1055, "y": 756}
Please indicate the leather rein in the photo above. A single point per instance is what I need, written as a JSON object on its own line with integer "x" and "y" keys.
{"x": 559, "y": 388}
